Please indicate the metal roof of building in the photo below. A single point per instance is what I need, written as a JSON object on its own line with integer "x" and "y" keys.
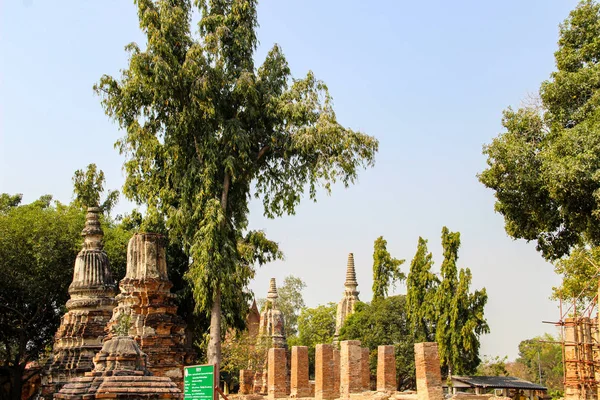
{"x": 498, "y": 382}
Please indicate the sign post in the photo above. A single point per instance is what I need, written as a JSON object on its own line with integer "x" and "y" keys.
{"x": 199, "y": 382}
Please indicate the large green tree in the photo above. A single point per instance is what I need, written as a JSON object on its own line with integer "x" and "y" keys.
{"x": 315, "y": 326}
{"x": 544, "y": 167}
{"x": 38, "y": 245}
{"x": 459, "y": 314}
{"x": 386, "y": 269}
{"x": 205, "y": 130}
{"x": 543, "y": 354}
{"x": 421, "y": 286}
{"x": 384, "y": 322}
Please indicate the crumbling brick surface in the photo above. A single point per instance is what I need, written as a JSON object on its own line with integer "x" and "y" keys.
{"x": 277, "y": 373}
{"x": 299, "y": 372}
{"x": 429, "y": 376}
{"x": 386, "y": 368}
{"x": 246, "y": 381}
{"x": 350, "y": 368}
{"x": 365, "y": 369}
{"x": 336, "y": 371}
{"x": 324, "y": 372}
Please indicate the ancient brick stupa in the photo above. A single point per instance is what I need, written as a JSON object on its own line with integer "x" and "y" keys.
{"x": 120, "y": 373}
{"x": 253, "y": 320}
{"x": 271, "y": 328}
{"x": 92, "y": 299}
{"x": 148, "y": 304}
{"x": 346, "y": 306}
{"x": 271, "y": 319}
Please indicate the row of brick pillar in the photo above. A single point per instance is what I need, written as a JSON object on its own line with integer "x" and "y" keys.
{"x": 338, "y": 373}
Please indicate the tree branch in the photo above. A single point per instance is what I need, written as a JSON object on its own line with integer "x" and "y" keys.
{"x": 262, "y": 152}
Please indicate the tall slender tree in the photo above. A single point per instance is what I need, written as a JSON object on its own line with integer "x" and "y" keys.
{"x": 203, "y": 127}
{"x": 459, "y": 313}
{"x": 386, "y": 269}
{"x": 421, "y": 285}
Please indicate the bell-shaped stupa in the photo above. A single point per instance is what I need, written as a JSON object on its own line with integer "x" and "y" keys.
{"x": 92, "y": 299}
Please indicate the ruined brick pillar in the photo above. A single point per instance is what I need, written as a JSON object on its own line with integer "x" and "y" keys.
{"x": 324, "y": 372}
{"x": 350, "y": 368}
{"x": 257, "y": 385}
{"x": 299, "y": 375}
{"x": 386, "y": 369}
{"x": 277, "y": 373}
{"x": 246, "y": 381}
{"x": 336, "y": 371}
{"x": 147, "y": 309}
{"x": 365, "y": 369}
{"x": 572, "y": 388}
{"x": 429, "y": 376}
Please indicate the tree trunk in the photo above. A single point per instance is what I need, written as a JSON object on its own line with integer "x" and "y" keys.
{"x": 214, "y": 343}
{"x": 16, "y": 378}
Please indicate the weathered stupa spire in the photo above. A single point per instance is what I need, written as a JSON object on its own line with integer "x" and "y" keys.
{"x": 272, "y": 294}
{"x": 350, "y": 283}
{"x": 346, "y": 306}
{"x": 271, "y": 318}
{"x": 92, "y": 299}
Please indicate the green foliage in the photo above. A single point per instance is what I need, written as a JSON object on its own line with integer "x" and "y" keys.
{"x": 315, "y": 326}
{"x": 459, "y": 314}
{"x": 421, "y": 287}
{"x": 544, "y": 167}
{"x": 492, "y": 366}
{"x": 542, "y": 353}
{"x": 8, "y": 201}
{"x": 38, "y": 245}
{"x": 203, "y": 126}
{"x": 88, "y": 186}
{"x": 291, "y": 302}
{"x": 384, "y": 322}
{"x": 580, "y": 276}
{"x": 386, "y": 270}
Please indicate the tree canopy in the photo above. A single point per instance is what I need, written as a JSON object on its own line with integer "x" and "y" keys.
{"x": 315, "y": 326}
{"x": 386, "y": 269}
{"x": 38, "y": 246}
{"x": 384, "y": 322}
{"x": 459, "y": 313}
{"x": 544, "y": 168}
{"x": 421, "y": 285}
{"x": 543, "y": 354}
{"x": 205, "y": 130}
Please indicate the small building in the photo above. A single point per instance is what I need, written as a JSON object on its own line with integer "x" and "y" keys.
{"x": 508, "y": 386}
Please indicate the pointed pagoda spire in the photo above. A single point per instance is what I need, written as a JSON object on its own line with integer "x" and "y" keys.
{"x": 346, "y": 306}
{"x": 350, "y": 273}
{"x": 92, "y": 299}
{"x": 272, "y": 294}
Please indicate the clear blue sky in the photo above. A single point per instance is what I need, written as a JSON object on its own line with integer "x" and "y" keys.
{"x": 428, "y": 79}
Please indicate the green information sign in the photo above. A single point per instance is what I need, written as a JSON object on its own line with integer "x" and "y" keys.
{"x": 199, "y": 382}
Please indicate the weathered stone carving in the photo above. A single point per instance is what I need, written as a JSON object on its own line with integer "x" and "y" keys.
{"x": 120, "y": 373}
{"x": 92, "y": 299}
{"x": 146, "y": 296}
{"x": 345, "y": 307}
